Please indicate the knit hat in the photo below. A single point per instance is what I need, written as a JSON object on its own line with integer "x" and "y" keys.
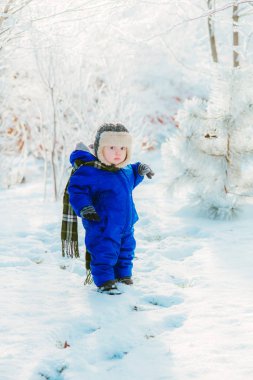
{"x": 113, "y": 135}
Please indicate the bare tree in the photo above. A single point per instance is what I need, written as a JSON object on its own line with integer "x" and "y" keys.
{"x": 236, "y": 62}
{"x": 9, "y": 19}
{"x": 209, "y": 14}
{"x": 211, "y": 5}
{"x": 212, "y": 37}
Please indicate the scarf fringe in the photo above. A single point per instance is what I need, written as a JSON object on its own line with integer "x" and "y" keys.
{"x": 70, "y": 249}
{"x": 88, "y": 280}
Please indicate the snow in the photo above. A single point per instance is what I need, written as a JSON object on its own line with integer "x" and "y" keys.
{"x": 188, "y": 316}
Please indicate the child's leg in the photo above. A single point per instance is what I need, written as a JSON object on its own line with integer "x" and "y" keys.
{"x": 124, "y": 265}
{"x": 104, "y": 255}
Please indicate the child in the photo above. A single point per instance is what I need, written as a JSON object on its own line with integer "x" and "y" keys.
{"x": 100, "y": 192}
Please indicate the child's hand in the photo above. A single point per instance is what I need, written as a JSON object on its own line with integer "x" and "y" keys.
{"x": 89, "y": 213}
{"x": 144, "y": 169}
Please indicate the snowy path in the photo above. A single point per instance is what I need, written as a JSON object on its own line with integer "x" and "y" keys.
{"x": 188, "y": 316}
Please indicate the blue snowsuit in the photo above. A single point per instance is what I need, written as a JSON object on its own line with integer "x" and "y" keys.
{"x": 110, "y": 241}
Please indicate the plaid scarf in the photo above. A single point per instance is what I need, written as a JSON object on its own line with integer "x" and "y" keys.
{"x": 69, "y": 228}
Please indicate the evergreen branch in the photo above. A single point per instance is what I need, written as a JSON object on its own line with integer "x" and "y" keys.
{"x": 240, "y": 195}
{"x": 212, "y": 154}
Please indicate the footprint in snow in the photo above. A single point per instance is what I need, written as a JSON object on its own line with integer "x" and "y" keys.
{"x": 56, "y": 375}
{"x": 180, "y": 254}
{"x": 156, "y": 237}
{"x": 174, "y": 321}
{"x": 76, "y": 266}
{"x": 118, "y": 355}
{"x": 194, "y": 232}
{"x": 64, "y": 338}
{"x": 152, "y": 301}
{"x": 51, "y": 371}
{"x": 183, "y": 282}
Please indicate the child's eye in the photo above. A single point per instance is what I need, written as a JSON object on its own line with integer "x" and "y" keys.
{"x": 123, "y": 148}
{"x": 111, "y": 147}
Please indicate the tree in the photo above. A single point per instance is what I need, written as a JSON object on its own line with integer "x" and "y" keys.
{"x": 211, "y": 5}
{"x": 212, "y": 151}
{"x": 211, "y": 155}
{"x": 53, "y": 93}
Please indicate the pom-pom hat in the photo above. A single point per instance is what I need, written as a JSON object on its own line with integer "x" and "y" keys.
{"x": 113, "y": 135}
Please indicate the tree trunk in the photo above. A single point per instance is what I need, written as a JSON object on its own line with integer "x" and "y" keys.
{"x": 236, "y": 62}
{"x": 212, "y": 39}
{"x": 228, "y": 160}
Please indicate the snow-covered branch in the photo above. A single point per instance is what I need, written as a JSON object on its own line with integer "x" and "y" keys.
{"x": 206, "y": 14}
{"x": 219, "y": 151}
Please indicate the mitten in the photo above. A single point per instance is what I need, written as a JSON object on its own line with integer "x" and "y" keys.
{"x": 89, "y": 213}
{"x": 144, "y": 169}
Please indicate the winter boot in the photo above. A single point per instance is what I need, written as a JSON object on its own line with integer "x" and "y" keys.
{"x": 109, "y": 287}
{"x": 126, "y": 280}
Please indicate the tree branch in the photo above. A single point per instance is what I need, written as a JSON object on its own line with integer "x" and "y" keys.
{"x": 6, "y": 11}
{"x": 204, "y": 15}
{"x": 22, "y": 6}
{"x": 81, "y": 8}
{"x": 7, "y": 6}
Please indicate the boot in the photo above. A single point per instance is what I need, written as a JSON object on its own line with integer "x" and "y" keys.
{"x": 126, "y": 280}
{"x": 109, "y": 287}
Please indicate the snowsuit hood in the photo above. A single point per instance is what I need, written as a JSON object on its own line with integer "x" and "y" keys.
{"x": 84, "y": 155}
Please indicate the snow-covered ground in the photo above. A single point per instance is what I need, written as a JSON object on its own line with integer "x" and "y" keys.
{"x": 189, "y": 314}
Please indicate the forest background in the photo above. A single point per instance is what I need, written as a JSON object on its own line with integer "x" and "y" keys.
{"x": 68, "y": 66}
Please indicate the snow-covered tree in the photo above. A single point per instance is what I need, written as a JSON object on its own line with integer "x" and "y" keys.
{"x": 211, "y": 154}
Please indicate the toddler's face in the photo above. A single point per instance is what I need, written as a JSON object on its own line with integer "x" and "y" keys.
{"x": 115, "y": 154}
